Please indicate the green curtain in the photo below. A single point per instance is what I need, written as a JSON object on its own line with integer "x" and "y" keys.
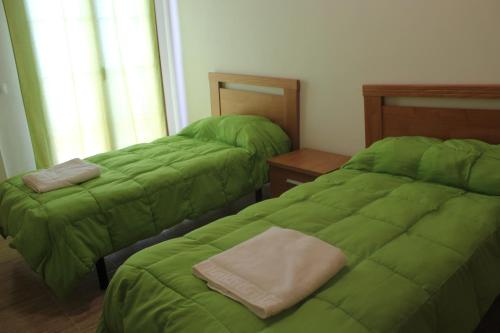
{"x": 90, "y": 75}
{"x": 157, "y": 64}
{"x": 29, "y": 82}
{"x": 127, "y": 31}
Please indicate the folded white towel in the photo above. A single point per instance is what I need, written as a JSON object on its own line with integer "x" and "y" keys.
{"x": 66, "y": 174}
{"x": 272, "y": 271}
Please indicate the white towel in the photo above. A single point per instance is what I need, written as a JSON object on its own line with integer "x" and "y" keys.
{"x": 272, "y": 271}
{"x": 66, "y": 174}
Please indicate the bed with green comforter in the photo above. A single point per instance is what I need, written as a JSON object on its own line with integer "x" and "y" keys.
{"x": 143, "y": 189}
{"x": 419, "y": 221}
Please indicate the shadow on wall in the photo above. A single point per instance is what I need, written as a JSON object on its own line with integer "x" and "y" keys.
{"x": 3, "y": 175}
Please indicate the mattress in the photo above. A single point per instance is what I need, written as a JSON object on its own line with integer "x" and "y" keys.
{"x": 423, "y": 255}
{"x": 143, "y": 190}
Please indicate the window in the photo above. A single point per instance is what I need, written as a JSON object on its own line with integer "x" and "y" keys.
{"x": 100, "y": 76}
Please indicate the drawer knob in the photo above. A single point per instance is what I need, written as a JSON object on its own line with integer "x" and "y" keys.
{"x": 293, "y": 182}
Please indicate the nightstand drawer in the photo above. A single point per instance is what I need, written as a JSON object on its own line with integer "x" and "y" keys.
{"x": 282, "y": 180}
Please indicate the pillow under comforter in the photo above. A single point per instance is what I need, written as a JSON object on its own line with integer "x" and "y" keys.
{"x": 472, "y": 165}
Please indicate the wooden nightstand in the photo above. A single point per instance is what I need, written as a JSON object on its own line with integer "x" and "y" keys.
{"x": 300, "y": 166}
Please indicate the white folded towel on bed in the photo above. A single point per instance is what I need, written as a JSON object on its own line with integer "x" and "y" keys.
{"x": 272, "y": 271}
{"x": 69, "y": 173}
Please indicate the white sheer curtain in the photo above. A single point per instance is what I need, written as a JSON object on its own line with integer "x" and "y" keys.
{"x": 98, "y": 64}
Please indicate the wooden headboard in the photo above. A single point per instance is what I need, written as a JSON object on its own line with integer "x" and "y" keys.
{"x": 383, "y": 120}
{"x": 282, "y": 108}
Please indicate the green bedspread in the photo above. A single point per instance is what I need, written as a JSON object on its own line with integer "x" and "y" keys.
{"x": 423, "y": 256}
{"x": 143, "y": 189}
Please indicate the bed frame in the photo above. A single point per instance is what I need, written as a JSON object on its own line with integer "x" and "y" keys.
{"x": 383, "y": 120}
{"x": 282, "y": 109}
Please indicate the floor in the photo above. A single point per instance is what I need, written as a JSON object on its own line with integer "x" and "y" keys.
{"x": 27, "y": 305}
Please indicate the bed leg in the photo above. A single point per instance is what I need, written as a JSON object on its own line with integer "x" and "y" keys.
{"x": 102, "y": 274}
{"x": 258, "y": 195}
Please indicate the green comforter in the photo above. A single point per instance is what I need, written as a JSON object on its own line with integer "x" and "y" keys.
{"x": 423, "y": 256}
{"x": 143, "y": 189}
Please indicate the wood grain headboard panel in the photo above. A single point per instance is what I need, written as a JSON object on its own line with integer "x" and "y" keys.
{"x": 382, "y": 120}
{"x": 282, "y": 109}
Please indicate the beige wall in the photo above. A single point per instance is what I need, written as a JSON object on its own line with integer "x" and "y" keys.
{"x": 334, "y": 46}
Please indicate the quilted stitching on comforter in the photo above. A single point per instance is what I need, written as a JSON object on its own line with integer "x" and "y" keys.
{"x": 422, "y": 257}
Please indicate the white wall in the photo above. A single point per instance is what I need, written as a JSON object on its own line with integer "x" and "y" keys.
{"x": 15, "y": 143}
{"x": 335, "y": 46}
